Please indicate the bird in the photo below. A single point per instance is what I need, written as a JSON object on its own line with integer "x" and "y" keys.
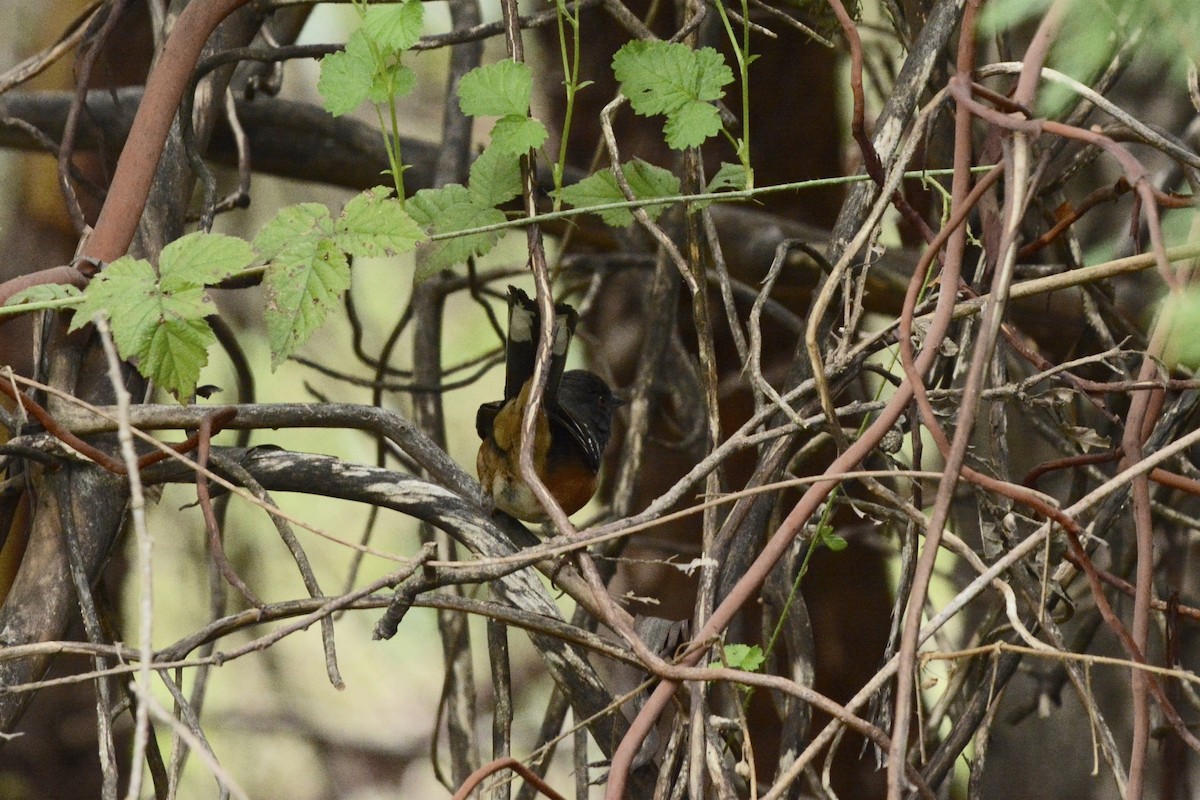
{"x": 573, "y": 426}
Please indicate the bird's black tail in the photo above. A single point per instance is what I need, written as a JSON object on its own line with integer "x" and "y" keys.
{"x": 520, "y": 354}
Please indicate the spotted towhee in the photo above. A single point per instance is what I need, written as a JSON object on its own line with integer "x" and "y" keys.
{"x": 572, "y": 428}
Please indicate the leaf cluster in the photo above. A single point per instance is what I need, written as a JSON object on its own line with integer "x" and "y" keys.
{"x": 159, "y": 317}
{"x": 370, "y": 67}
{"x": 673, "y": 80}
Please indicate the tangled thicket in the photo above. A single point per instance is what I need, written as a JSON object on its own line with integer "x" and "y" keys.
{"x": 906, "y": 477}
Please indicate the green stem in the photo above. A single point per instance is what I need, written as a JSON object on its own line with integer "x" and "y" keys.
{"x": 41, "y": 305}
{"x": 391, "y": 143}
{"x": 394, "y": 156}
{"x": 741, "y": 52}
{"x": 719, "y": 197}
{"x": 570, "y": 64}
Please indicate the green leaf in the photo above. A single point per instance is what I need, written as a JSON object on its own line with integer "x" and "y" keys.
{"x": 657, "y": 77}
{"x": 294, "y": 228}
{"x": 496, "y": 90}
{"x": 392, "y": 80}
{"x": 729, "y": 176}
{"x": 43, "y": 293}
{"x": 601, "y": 188}
{"x": 395, "y": 27}
{"x": 1183, "y": 346}
{"x": 164, "y": 329}
{"x": 117, "y": 290}
{"x": 360, "y": 73}
{"x": 374, "y": 223}
{"x": 742, "y": 656}
{"x": 448, "y": 210}
{"x": 1084, "y": 46}
{"x": 1000, "y": 15}
{"x": 517, "y": 134}
{"x": 691, "y": 126}
{"x": 673, "y": 79}
{"x": 649, "y": 181}
{"x": 302, "y": 285}
{"x": 503, "y": 90}
{"x": 202, "y": 259}
{"x": 429, "y": 205}
{"x": 495, "y": 178}
{"x": 176, "y": 352}
{"x": 598, "y": 189}
{"x": 347, "y": 77}
{"x": 834, "y": 542}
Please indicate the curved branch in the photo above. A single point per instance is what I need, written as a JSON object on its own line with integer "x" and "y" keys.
{"x": 139, "y": 158}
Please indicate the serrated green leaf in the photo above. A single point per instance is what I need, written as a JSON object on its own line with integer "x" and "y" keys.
{"x": 598, "y": 189}
{"x": 649, "y": 181}
{"x": 301, "y": 289}
{"x": 646, "y": 180}
{"x": 742, "y": 656}
{"x": 428, "y": 205}
{"x": 673, "y": 79}
{"x": 297, "y": 227}
{"x": 123, "y": 283}
{"x": 374, "y": 224}
{"x": 663, "y": 76}
{"x": 691, "y": 125}
{"x": 43, "y": 293}
{"x": 396, "y": 27}
{"x": 446, "y": 253}
{"x": 175, "y": 353}
{"x": 729, "y": 176}
{"x": 495, "y": 178}
{"x": 202, "y": 259}
{"x": 496, "y": 90}
{"x": 518, "y": 134}
{"x": 346, "y": 77}
{"x": 164, "y": 330}
{"x": 307, "y": 272}
{"x": 656, "y": 76}
{"x": 448, "y": 210}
